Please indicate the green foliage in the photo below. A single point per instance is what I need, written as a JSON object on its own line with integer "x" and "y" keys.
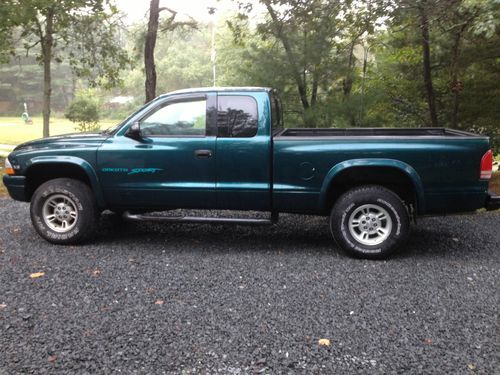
{"x": 98, "y": 56}
{"x": 81, "y": 32}
{"x": 182, "y": 59}
{"x": 84, "y": 111}
{"x": 464, "y": 40}
{"x": 21, "y": 82}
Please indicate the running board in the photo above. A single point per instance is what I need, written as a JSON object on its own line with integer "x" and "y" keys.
{"x": 127, "y": 215}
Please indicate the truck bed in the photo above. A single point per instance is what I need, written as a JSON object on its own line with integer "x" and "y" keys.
{"x": 377, "y": 132}
{"x": 446, "y": 162}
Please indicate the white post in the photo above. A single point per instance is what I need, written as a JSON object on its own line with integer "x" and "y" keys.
{"x": 213, "y": 52}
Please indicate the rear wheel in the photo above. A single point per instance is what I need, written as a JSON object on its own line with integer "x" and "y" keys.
{"x": 369, "y": 222}
{"x": 64, "y": 211}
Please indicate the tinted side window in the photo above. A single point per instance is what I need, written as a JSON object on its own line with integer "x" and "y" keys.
{"x": 236, "y": 116}
{"x": 181, "y": 118}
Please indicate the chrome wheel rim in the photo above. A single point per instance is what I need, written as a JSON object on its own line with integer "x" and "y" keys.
{"x": 370, "y": 224}
{"x": 60, "y": 213}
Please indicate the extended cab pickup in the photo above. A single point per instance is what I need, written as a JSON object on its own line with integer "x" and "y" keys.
{"x": 227, "y": 149}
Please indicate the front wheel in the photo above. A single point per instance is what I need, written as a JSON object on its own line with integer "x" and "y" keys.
{"x": 64, "y": 211}
{"x": 369, "y": 222}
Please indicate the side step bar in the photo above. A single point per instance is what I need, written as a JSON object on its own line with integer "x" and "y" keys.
{"x": 127, "y": 215}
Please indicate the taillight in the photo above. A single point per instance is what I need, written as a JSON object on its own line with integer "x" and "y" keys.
{"x": 486, "y": 166}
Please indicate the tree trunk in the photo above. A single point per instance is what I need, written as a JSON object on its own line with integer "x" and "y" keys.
{"x": 347, "y": 82}
{"x": 455, "y": 85}
{"x": 431, "y": 98}
{"x": 363, "y": 79}
{"x": 454, "y": 82}
{"x": 149, "y": 50}
{"x": 47, "y": 43}
{"x": 315, "y": 83}
{"x": 301, "y": 86}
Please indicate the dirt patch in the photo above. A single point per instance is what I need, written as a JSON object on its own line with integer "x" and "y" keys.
{"x": 495, "y": 183}
{"x": 3, "y": 189}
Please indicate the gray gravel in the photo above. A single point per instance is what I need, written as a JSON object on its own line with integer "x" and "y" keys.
{"x": 157, "y": 299}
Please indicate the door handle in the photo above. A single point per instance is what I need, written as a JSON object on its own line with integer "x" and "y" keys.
{"x": 203, "y": 154}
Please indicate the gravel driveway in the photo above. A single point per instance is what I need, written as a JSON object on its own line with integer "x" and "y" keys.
{"x": 187, "y": 299}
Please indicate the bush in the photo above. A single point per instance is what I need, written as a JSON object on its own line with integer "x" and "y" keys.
{"x": 84, "y": 111}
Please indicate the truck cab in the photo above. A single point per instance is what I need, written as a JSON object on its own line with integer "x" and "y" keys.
{"x": 193, "y": 149}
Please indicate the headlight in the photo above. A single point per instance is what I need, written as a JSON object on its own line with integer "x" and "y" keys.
{"x": 8, "y": 167}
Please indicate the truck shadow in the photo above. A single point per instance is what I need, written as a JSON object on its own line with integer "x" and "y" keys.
{"x": 432, "y": 237}
{"x": 290, "y": 235}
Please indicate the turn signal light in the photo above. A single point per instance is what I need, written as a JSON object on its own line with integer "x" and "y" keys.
{"x": 8, "y": 167}
{"x": 486, "y": 166}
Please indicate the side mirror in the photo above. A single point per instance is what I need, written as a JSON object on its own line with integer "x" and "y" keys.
{"x": 134, "y": 132}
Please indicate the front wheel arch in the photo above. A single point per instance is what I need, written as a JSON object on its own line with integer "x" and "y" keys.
{"x": 40, "y": 172}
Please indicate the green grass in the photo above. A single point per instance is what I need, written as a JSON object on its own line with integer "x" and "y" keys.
{"x": 14, "y": 131}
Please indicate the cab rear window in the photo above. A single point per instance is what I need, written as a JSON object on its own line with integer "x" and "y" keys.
{"x": 236, "y": 116}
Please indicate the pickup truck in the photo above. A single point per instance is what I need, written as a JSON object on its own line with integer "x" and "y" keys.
{"x": 227, "y": 149}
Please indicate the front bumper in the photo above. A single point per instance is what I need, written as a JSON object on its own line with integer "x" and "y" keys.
{"x": 493, "y": 201}
{"x": 16, "y": 186}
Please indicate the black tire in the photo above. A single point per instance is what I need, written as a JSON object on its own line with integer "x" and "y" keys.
{"x": 362, "y": 203}
{"x": 78, "y": 197}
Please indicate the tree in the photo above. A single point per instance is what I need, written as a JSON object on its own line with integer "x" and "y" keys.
{"x": 423, "y": 8}
{"x": 422, "y": 16}
{"x": 82, "y": 31}
{"x": 149, "y": 50}
{"x": 303, "y": 39}
{"x": 444, "y": 30}
{"x": 168, "y": 25}
{"x": 307, "y": 31}
{"x": 467, "y": 22}
{"x": 314, "y": 44}
{"x": 84, "y": 111}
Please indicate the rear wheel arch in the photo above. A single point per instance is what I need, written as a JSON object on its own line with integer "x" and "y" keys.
{"x": 401, "y": 179}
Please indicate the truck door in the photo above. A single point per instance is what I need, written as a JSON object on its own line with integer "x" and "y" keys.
{"x": 172, "y": 165}
{"x": 243, "y": 150}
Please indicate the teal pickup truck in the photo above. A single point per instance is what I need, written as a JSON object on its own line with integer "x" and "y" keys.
{"x": 227, "y": 149}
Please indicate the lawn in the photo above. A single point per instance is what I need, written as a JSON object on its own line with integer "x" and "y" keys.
{"x": 13, "y": 130}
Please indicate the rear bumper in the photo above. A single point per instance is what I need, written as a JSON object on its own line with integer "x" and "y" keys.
{"x": 16, "y": 186}
{"x": 493, "y": 201}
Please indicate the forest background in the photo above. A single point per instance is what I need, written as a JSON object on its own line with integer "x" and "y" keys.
{"x": 335, "y": 63}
